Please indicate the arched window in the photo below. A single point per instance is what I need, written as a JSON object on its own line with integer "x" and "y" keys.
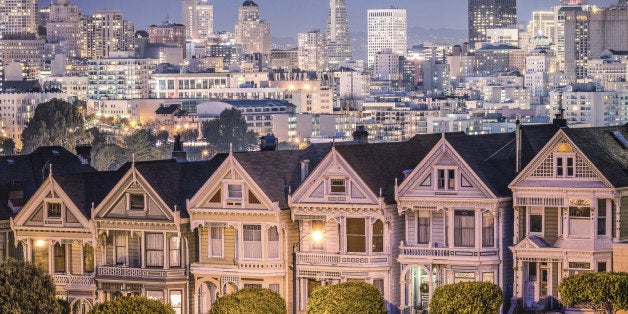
{"x": 378, "y": 236}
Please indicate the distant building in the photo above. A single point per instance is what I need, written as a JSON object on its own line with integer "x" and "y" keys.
{"x": 284, "y": 59}
{"x": 120, "y": 78}
{"x": 64, "y": 24}
{"x": 18, "y": 17}
{"x": 26, "y": 50}
{"x": 338, "y": 41}
{"x": 589, "y": 105}
{"x": 311, "y": 51}
{"x": 198, "y": 18}
{"x": 251, "y": 32}
{"x": 488, "y": 14}
{"x": 387, "y": 29}
{"x": 106, "y": 32}
{"x": 167, "y": 33}
{"x": 494, "y": 59}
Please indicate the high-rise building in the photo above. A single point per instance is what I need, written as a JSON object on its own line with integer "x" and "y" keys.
{"x": 64, "y": 24}
{"x": 542, "y": 23}
{"x": 609, "y": 29}
{"x": 338, "y": 41}
{"x": 576, "y": 44}
{"x": 487, "y": 14}
{"x": 387, "y": 29}
{"x": 106, "y": 31}
{"x": 132, "y": 78}
{"x": 251, "y": 32}
{"x": 167, "y": 33}
{"x": 18, "y": 16}
{"x": 312, "y": 51}
{"x": 198, "y": 18}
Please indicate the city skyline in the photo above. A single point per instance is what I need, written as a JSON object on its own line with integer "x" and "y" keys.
{"x": 308, "y": 15}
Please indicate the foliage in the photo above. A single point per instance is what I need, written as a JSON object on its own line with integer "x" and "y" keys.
{"x": 599, "y": 291}
{"x": 55, "y": 122}
{"x": 189, "y": 135}
{"x": 8, "y": 146}
{"x": 250, "y": 300}
{"x": 467, "y": 298}
{"x": 25, "y": 288}
{"x": 108, "y": 157}
{"x": 141, "y": 143}
{"x": 348, "y": 297}
{"x": 229, "y": 128}
{"x": 133, "y": 304}
{"x": 161, "y": 136}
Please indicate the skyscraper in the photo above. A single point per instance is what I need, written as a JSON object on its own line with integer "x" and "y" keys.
{"x": 64, "y": 24}
{"x": 312, "y": 51}
{"x": 387, "y": 29}
{"x": 106, "y": 31}
{"x": 338, "y": 42}
{"x": 18, "y": 16}
{"x": 198, "y": 18}
{"x": 252, "y": 33}
{"x": 609, "y": 29}
{"x": 487, "y": 14}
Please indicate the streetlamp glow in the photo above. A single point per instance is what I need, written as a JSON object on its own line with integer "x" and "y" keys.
{"x": 317, "y": 237}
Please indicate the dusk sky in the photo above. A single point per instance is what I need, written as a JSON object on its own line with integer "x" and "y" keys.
{"x": 288, "y": 17}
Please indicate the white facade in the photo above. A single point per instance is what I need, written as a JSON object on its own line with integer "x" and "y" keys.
{"x": 64, "y": 24}
{"x": 387, "y": 66}
{"x": 589, "y": 108}
{"x": 120, "y": 78}
{"x": 387, "y": 28}
{"x": 18, "y": 16}
{"x": 311, "y": 51}
{"x": 338, "y": 41}
{"x": 251, "y": 32}
{"x": 198, "y": 18}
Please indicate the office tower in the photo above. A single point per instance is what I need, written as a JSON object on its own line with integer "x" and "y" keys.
{"x": 487, "y": 14}
{"x": 387, "y": 28}
{"x": 106, "y": 31}
{"x": 18, "y": 16}
{"x": 132, "y": 78}
{"x": 542, "y": 22}
{"x": 609, "y": 29}
{"x": 312, "y": 51}
{"x": 338, "y": 41}
{"x": 252, "y": 33}
{"x": 198, "y": 18}
{"x": 64, "y": 24}
{"x": 167, "y": 33}
{"x": 576, "y": 41}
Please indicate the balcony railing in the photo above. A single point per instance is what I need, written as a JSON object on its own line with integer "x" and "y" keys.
{"x": 340, "y": 259}
{"x": 140, "y": 273}
{"x": 447, "y": 252}
{"x": 261, "y": 265}
{"x": 74, "y": 281}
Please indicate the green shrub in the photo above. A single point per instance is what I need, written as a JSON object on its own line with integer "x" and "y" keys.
{"x": 467, "y": 298}
{"x": 348, "y": 297}
{"x": 250, "y": 300}
{"x": 598, "y": 291}
{"x": 134, "y": 304}
{"x": 25, "y": 288}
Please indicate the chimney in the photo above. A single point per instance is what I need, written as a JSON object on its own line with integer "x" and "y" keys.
{"x": 560, "y": 120}
{"x": 268, "y": 143}
{"x": 518, "y": 146}
{"x": 178, "y": 153}
{"x": 16, "y": 195}
{"x": 360, "y": 135}
{"x": 84, "y": 154}
{"x": 305, "y": 169}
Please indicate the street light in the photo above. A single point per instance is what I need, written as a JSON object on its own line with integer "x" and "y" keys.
{"x": 317, "y": 236}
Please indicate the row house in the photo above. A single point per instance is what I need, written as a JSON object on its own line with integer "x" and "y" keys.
{"x": 569, "y": 205}
{"x": 458, "y": 213}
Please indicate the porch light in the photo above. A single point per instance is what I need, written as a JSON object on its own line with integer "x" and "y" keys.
{"x": 40, "y": 243}
{"x": 317, "y": 236}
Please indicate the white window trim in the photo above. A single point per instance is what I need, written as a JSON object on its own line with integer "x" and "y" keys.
{"x": 128, "y": 202}
{"x": 456, "y": 178}
{"x": 564, "y": 156}
{"x": 346, "y": 181}
{"x": 536, "y": 212}
{"x": 210, "y": 253}
{"x": 235, "y": 202}
{"x": 61, "y": 217}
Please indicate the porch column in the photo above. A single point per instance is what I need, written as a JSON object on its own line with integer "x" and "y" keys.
{"x": 402, "y": 293}
{"x": 51, "y": 257}
{"x": 518, "y": 280}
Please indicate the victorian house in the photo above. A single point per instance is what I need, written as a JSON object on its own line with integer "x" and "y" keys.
{"x": 570, "y": 208}
{"x": 242, "y": 223}
{"x": 457, "y": 211}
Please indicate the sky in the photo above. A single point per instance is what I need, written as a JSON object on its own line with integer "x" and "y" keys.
{"x": 289, "y": 17}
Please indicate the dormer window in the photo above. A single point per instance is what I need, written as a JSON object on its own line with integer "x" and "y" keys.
{"x": 446, "y": 179}
{"x": 338, "y": 186}
{"x": 136, "y": 202}
{"x": 565, "y": 161}
{"x": 234, "y": 191}
{"x": 54, "y": 210}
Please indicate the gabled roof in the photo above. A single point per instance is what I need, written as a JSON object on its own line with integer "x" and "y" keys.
{"x": 379, "y": 164}
{"x": 171, "y": 109}
{"x": 601, "y": 147}
{"x": 279, "y": 172}
{"x": 32, "y": 169}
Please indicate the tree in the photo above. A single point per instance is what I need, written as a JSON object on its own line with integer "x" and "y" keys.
{"x": 133, "y": 304}
{"x": 250, "y": 300}
{"x": 161, "y": 136}
{"x": 598, "y": 291}
{"x": 55, "y": 122}
{"x": 189, "y": 135}
{"x": 8, "y": 146}
{"x": 229, "y": 129}
{"x": 467, "y": 298}
{"x": 25, "y": 288}
{"x": 109, "y": 157}
{"x": 348, "y": 297}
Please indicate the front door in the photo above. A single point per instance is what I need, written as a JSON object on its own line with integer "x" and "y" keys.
{"x": 543, "y": 282}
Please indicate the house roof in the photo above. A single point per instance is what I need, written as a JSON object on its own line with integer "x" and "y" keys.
{"x": 171, "y": 109}
{"x": 604, "y": 150}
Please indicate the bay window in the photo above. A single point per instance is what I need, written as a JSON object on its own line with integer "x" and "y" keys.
{"x": 59, "y": 258}
{"x": 215, "y": 241}
{"x": 579, "y": 221}
{"x": 273, "y": 243}
{"x": 423, "y": 227}
{"x": 317, "y": 225}
{"x": 120, "y": 249}
{"x": 154, "y": 249}
{"x": 175, "y": 252}
{"x": 488, "y": 230}
{"x": 252, "y": 239}
{"x": 378, "y": 237}
{"x": 356, "y": 235}
{"x": 464, "y": 228}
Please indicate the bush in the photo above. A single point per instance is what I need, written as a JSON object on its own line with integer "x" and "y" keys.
{"x": 348, "y": 297}
{"x": 467, "y": 298}
{"x": 25, "y": 288}
{"x": 134, "y": 304}
{"x": 250, "y": 300}
{"x": 598, "y": 291}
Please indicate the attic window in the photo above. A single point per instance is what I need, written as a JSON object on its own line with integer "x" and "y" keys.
{"x": 234, "y": 191}
{"x": 338, "y": 185}
{"x": 136, "y": 202}
{"x": 54, "y": 210}
{"x": 564, "y": 148}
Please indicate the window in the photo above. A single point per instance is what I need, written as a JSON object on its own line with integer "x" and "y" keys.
{"x": 317, "y": 225}
{"x": 338, "y": 186}
{"x": 564, "y": 167}
{"x": 121, "y": 252}
{"x": 273, "y": 242}
{"x": 579, "y": 224}
{"x": 215, "y": 241}
{"x": 464, "y": 228}
{"x": 234, "y": 191}
{"x": 423, "y": 227}
{"x": 54, "y": 210}
{"x": 488, "y": 230}
{"x": 3, "y": 246}
{"x": 154, "y": 249}
{"x": 252, "y": 241}
{"x": 379, "y": 283}
{"x": 88, "y": 258}
{"x": 536, "y": 220}
{"x": 155, "y": 295}
{"x": 176, "y": 301}
{"x": 601, "y": 266}
{"x": 274, "y": 287}
{"x": 175, "y": 252}
{"x": 378, "y": 236}
{"x": 356, "y": 235}
{"x": 136, "y": 202}
{"x": 59, "y": 260}
{"x": 446, "y": 179}
{"x": 601, "y": 217}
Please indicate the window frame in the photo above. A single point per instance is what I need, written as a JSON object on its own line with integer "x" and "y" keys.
{"x": 535, "y": 211}
{"x": 48, "y": 205}
{"x": 116, "y": 239}
{"x": 332, "y": 186}
{"x": 363, "y": 236}
{"x": 460, "y": 244}
{"x": 443, "y": 181}
{"x": 564, "y": 168}
{"x": 176, "y": 250}
{"x": 426, "y": 215}
{"x": 210, "y": 251}
{"x": 129, "y": 203}
{"x": 147, "y": 250}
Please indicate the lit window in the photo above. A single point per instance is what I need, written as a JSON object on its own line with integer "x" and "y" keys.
{"x": 356, "y": 235}
{"x": 54, "y": 210}
{"x": 338, "y": 185}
